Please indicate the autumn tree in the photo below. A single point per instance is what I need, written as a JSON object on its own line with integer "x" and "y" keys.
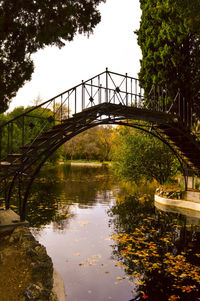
{"x": 169, "y": 41}
{"x": 27, "y": 26}
{"x": 93, "y": 144}
{"x": 139, "y": 156}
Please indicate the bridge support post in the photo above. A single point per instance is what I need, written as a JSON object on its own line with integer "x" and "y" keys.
{"x": 106, "y": 91}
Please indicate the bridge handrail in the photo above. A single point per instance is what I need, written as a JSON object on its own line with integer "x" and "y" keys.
{"x": 73, "y": 89}
{"x": 117, "y": 88}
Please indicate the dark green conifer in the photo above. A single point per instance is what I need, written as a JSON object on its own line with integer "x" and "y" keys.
{"x": 170, "y": 47}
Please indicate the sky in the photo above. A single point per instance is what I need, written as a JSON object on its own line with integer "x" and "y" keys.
{"x": 113, "y": 44}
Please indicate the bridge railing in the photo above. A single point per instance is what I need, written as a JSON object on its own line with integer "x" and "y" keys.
{"x": 106, "y": 87}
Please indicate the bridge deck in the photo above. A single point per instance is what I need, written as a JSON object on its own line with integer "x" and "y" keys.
{"x": 108, "y": 98}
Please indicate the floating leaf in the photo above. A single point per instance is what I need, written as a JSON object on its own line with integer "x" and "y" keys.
{"x": 83, "y": 223}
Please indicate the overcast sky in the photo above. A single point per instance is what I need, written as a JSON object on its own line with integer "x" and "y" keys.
{"x": 113, "y": 45}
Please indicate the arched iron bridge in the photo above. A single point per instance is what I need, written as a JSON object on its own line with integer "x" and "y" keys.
{"x": 108, "y": 98}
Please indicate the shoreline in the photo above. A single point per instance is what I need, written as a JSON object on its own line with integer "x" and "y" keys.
{"x": 177, "y": 203}
{"x": 25, "y": 262}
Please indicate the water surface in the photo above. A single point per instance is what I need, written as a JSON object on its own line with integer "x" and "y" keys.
{"x": 79, "y": 237}
{"x": 74, "y": 212}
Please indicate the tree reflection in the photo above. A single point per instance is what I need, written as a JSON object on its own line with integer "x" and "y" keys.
{"x": 82, "y": 184}
{"x": 157, "y": 249}
{"x": 55, "y": 190}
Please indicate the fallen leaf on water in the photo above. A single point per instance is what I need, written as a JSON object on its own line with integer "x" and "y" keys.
{"x": 83, "y": 223}
{"x": 77, "y": 254}
{"x": 97, "y": 256}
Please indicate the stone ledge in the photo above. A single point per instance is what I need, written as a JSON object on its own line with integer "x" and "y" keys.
{"x": 192, "y": 196}
{"x": 9, "y": 220}
{"x": 177, "y": 203}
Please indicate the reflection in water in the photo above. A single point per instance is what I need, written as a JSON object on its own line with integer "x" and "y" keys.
{"x": 57, "y": 189}
{"x": 159, "y": 249}
{"x": 192, "y": 217}
{"x": 73, "y": 225}
{"x": 108, "y": 245}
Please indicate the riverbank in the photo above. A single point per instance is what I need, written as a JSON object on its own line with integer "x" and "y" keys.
{"x": 26, "y": 270}
{"x": 182, "y": 200}
{"x": 86, "y": 163}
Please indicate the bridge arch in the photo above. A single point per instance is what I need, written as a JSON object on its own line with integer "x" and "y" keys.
{"x": 95, "y": 116}
{"x": 108, "y": 98}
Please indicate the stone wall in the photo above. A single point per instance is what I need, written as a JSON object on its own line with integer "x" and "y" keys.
{"x": 192, "y": 196}
{"x": 41, "y": 266}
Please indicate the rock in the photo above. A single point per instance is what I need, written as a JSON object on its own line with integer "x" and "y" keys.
{"x": 43, "y": 272}
{"x": 31, "y": 252}
{"x": 37, "y": 292}
{"x": 21, "y": 234}
{"x": 33, "y": 292}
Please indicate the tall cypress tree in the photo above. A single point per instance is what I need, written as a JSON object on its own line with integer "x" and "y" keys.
{"x": 170, "y": 49}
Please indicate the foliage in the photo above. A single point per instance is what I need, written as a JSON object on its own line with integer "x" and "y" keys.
{"x": 93, "y": 144}
{"x": 27, "y": 26}
{"x": 170, "y": 47}
{"x": 155, "y": 249}
{"x": 138, "y": 155}
{"x": 33, "y": 123}
{"x": 190, "y": 11}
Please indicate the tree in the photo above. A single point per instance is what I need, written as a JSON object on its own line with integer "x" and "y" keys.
{"x": 190, "y": 11}
{"x": 170, "y": 47}
{"x": 93, "y": 144}
{"x": 27, "y": 26}
{"x": 140, "y": 156}
{"x": 24, "y": 129}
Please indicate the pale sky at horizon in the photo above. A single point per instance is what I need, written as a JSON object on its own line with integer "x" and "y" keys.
{"x": 113, "y": 45}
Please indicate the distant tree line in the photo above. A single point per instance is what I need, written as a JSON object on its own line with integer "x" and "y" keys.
{"x": 93, "y": 144}
{"x": 136, "y": 155}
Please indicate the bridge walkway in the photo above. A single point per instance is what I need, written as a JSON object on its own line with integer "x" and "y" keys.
{"x": 109, "y": 101}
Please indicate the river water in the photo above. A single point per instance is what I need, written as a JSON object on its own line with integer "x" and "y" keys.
{"x": 74, "y": 212}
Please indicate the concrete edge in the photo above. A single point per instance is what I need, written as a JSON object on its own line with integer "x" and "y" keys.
{"x": 177, "y": 203}
{"x": 58, "y": 286}
{"x": 9, "y": 220}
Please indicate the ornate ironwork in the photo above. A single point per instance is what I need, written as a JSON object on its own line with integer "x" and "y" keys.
{"x": 108, "y": 98}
